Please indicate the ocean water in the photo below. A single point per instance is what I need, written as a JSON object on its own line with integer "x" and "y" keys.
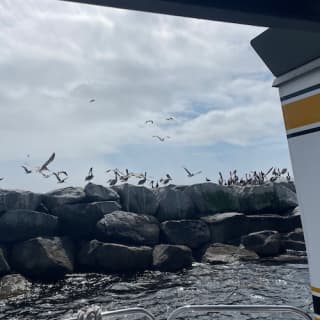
{"x": 160, "y": 293}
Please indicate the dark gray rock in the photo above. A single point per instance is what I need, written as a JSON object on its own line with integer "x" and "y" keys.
{"x": 18, "y": 225}
{"x": 296, "y": 235}
{"x": 79, "y": 220}
{"x": 171, "y": 257}
{"x": 226, "y": 226}
{"x": 137, "y": 199}
{"x": 128, "y": 228}
{"x": 95, "y": 192}
{"x": 264, "y": 243}
{"x": 111, "y": 257}
{"x": 59, "y": 197}
{"x": 4, "y": 265}
{"x": 43, "y": 258}
{"x": 13, "y": 285}
{"x": 286, "y": 199}
{"x": 286, "y": 258}
{"x": 218, "y": 253}
{"x": 174, "y": 204}
{"x": 294, "y": 245}
{"x": 192, "y": 233}
{"x": 210, "y": 198}
{"x": 18, "y": 199}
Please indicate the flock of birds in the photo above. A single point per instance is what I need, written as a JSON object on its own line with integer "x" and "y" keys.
{"x": 152, "y": 122}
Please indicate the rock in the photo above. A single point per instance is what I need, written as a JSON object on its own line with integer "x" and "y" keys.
{"x": 59, "y": 197}
{"x": 264, "y": 243}
{"x": 18, "y": 199}
{"x": 210, "y": 198}
{"x": 218, "y": 253}
{"x": 290, "y": 185}
{"x": 95, "y": 192}
{"x": 111, "y": 257}
{"x": 286, "y": 199}
{"x": 128, "y": 228}
{"x": 192, "y": 233}
{"x": 171, "y": 257}
{"x": 4, "y": 265}
{"x": 294, "y": 245}
{"x": 22, "y": 224}
{"x": 137, "y": 199}
{"x": 226, "y": 226}
{"x": 79, "y": 220}
{"x": 174, "y": 204}
{"x": 43, "y": 258}
{"x": 13, "y": 285}
{"x": 296, "y": 235}
{"x": 286, "y": 258}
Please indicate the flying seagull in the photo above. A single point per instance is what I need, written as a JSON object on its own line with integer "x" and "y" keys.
{"x": 57, "y": 175}
{"x": 26, "y": 170}
{"x": 1, "y": 179}
{"x": 92, "y": 100}
{"x": 160, "y": 138}
{"x": 170, "y": 118}
{"x": 149, "y": 121}
{"x": 90, "y": 175}
{"x": 190, "y": 174}
{"x": 44, "y": 167}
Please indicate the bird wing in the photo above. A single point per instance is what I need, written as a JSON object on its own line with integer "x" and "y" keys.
{"x": 168, "y": 176}
{"x": 48, "y": 162}
{"x": 56, "y": 175}
{"x": 63, "y": 172}
{"x": 188, "y": 172}
{"x": 25, "y": 169}
{"x": 197, "y": 172}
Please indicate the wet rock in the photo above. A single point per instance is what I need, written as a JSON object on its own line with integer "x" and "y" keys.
{"x": 226, "y": 226}
{"x": 18, "y": 225}
{"x": 128, "y": 228}
{"x": 18, "y": 199}
{"x": 210, "y": 198}
{"x": 111, "y": 257}
{"x": 174, "y": 204}
{"x": 264, "y": 243}
{"x": 287, "y": 258}
{"x": 43, "y": 258}
{"x": 218, "y": 253}
{"x": 296, "y": 235}
{"x": 4, "y": 265}
{"x": 79, "y": 220}
{"x": 137, "y": 199}
{"x": 192, "y": 233}
{"x": 294, "y": 245}
{"x": 59, "y": 197}
{"x": 171, "y": 257}
{"x": 95, "y": 192}
{"x": 13, "y": 285}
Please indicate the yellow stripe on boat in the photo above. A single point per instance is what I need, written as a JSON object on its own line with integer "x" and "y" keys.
{"x": 315, "y": 289}
{"x": 302, "y": 112}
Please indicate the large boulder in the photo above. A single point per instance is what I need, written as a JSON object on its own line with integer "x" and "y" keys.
{"x": 13, "y": 285}
{"x": 296, "y": 235}
{"x": 18, "y": 199}
{"x": 171, "y": 257}
{"x": 218, "y": 253}
{"x": 137, "y": 199}
{"x": 4, "y": 265}
{"x": 265, "y": 243}
{"x": 111, "y": 257}
{"x": 18, "y": 225}
{"x": 266, "y": 198}
{"x": 95, "y": 192}
{"x": 226, "y": 226}
{"x": 59, "y": 197}
{"x": 43, "y": 258}
{"x": 192, "y": 233}
{"x": 174, "y": 204}
{"x": 128, "y": 228}
{"x": 210, "y": 198}
{"x": 79, "y": 220}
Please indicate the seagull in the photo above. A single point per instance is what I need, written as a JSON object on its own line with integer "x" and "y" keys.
{"x": 114, "y": 181}
{"x": 26, "y": 170}
{"x": 1, "y": 179}
{"x": 152, "y": 184}
{"x": 44, "y": 167}
{"x": 92, "y": 100}
{"x": 90, "y": 175}
{"x": 189, "y": 174}
{"x": 143, "y": 180}
{"x": 160, "y": 138}
{"x": 207, "y": 179}
{"x": 149, "y": 121}
{"x": 170, "y": 118}
{"x": 157, "y": 184}
{"x": 57, "y": 175}
{"x": 166, "y": 180}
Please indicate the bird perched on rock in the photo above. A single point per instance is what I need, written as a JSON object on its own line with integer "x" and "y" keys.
{"x": 190, "y": 174}
{"x": 90, "y": 175}
{"x": 143, "y": 180}
{"x": 114, "y": 181}
{"x": 166, "y": 180}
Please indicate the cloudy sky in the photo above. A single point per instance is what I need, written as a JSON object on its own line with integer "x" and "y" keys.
{"x": 56, "y": 56}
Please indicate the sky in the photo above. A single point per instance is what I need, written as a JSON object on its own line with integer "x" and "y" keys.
{"x": 57, "y": 56}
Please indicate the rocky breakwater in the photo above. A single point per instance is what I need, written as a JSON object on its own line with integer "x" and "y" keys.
{"x": 129, "y": 228}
